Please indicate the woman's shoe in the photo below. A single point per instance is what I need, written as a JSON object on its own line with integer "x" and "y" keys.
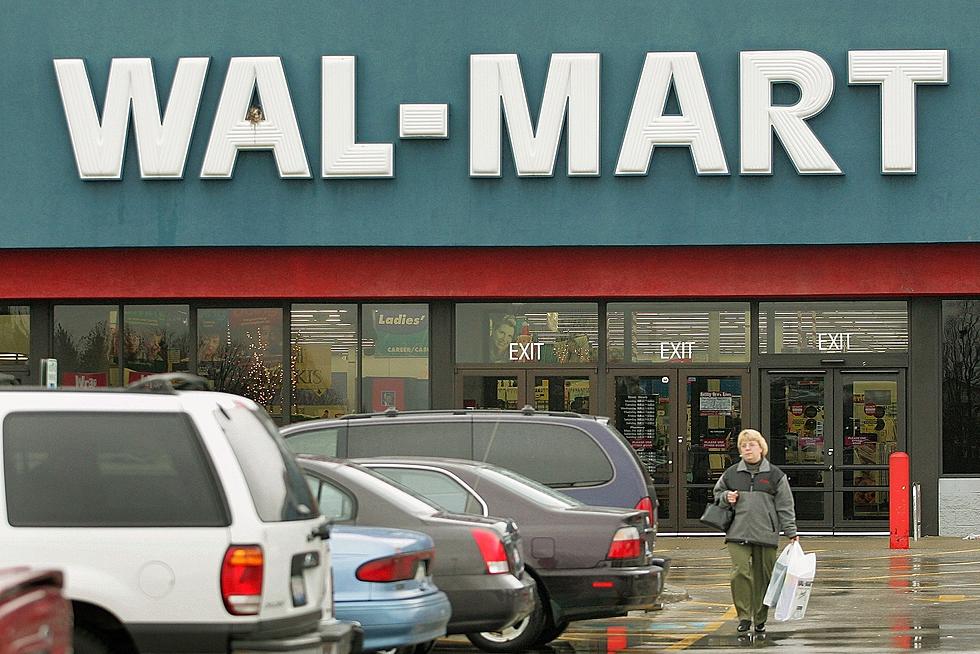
{"x": 743, "y": 626}
{"x": 760, "y": 628}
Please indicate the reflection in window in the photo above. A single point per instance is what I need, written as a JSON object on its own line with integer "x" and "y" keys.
{"x": 833, "y": 327}
{"x": 961, "y": 387}
{"x": 85, "y": 344}
{"x": 15, "y": 334}
{"x": 678, "y": 332}
{"x": 240, "y": 351}
{"x": 395, "y": 364}
{"x": 156, "y": 339}
{"x": 323, "y": 353}
{"x": 547, "y": 333}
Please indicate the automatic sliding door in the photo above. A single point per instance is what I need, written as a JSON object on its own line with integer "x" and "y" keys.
{"x": 832, "y": 433}
{"x": 712, "y": 420}
{"x": 872, "y": 427}
{"x": 644, "y": 412}
{"x": 795, "y": 415}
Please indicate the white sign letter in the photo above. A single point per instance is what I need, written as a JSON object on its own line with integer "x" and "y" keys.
{"x": 573, "y": 79}
{"x": 897, "y": 71}
{"x": 342, "y": 156}
{"x": 160, "y": 146}
{"x": 276, "y": 129}
{"x": 648, "y": 127}
{"x": 759, "y": 70}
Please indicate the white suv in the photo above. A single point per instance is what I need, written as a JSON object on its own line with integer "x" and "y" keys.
{"x": 179, "y": 518}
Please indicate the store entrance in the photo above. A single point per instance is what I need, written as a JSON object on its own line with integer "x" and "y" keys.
{"x": 543, "y": 389}
{"x": 832, "y": 432}
{"x": 683, "y": 424}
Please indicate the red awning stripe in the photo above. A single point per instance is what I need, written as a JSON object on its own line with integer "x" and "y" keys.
{"x": 493, "y": 273}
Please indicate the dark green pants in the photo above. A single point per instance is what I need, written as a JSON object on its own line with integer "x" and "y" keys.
{"x": 751, "y": 570}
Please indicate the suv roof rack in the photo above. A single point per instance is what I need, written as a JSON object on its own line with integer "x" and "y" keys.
{"x": 169, "y": 382}
{"x": 527, "y": 410}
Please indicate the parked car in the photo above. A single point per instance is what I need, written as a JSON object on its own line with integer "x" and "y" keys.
{"x": 589, "y": 562}
{"x": 383, "y": 581}
{"x": 179, "y": 518}
{"x": 478, "y": 559}
{"x": 581, "y": 455}
{"x": 34, "y": 615}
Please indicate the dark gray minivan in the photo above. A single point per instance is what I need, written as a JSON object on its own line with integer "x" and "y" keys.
{"x": 583, "y": 456}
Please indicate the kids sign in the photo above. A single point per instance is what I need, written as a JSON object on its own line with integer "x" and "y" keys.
{"x": 497, "y": 94}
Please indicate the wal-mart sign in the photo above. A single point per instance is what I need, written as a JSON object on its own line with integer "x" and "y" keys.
{"x": 497, "y": 94}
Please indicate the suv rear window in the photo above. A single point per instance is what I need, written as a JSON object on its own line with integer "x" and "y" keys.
{"x": 410, "y": 438}
{"x": 100, "y": 469}
{"x": 278, "y": 489}
{"x": 574, "y": 459}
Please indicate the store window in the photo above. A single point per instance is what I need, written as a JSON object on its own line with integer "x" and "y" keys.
{"x": 323, "y": 354}
{"x": 961, "y": 387}
{"x": 546, "y": 333}
{"x": 240, "y": 351}
{"x": 86, "y": 344}
{"x": 156, "y": 339}
{"x": 678, "y": 332}
{"x": 829, "y": 328}
{"x": 15, "y": 334}
{"x": 395, "y": 360}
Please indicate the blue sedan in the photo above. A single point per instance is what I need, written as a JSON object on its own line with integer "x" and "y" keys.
{"x": 383, "y": 580}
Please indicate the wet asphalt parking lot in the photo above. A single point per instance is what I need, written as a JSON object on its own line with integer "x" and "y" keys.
{"x": 866, "y": 598}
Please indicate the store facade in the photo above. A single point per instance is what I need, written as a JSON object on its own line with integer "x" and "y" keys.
{"x": 688, "y": 225}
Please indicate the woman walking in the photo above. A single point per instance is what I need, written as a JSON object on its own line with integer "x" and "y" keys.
{"x": 763, "y": 502}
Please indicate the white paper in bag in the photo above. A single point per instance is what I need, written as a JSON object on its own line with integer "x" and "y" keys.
{"x": 795, "y": 594}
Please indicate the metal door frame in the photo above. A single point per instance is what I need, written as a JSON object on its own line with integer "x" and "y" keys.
{"x": 525, "y": 381}
{"x": 678, "y": 436}
{"x": 901, "y": 443}
{"x": 673, "y": 474}
{"x": 833, "y": 467}
{"x": 826, "y": 525}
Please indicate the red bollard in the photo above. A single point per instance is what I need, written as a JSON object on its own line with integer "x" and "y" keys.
{"x": 898, "y": 500}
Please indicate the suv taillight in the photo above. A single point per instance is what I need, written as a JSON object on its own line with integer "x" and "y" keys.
{"x": 626, "y": 544}
{"x": 646, "y": 504}
{"x": 395, "y": 568}
{"x": 241, "y": 579}
{"x": 492, "y": 550}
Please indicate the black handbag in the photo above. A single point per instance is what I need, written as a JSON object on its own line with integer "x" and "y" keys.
{"x": 717, "y": 516}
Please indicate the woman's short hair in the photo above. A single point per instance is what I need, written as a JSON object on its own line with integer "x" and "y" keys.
{"x": 753, "y": 435}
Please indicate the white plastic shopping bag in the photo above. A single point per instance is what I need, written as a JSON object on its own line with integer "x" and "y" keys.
{"x": 779, "y": 574}
{"x": 795, "y": 594}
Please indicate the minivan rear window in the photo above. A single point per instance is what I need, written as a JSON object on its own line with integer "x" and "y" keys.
{"x": 102, "y": 469}
{"x": 573, "y": 457}
{"x": 278, "y": 489}
{"x": 409, "y": 438}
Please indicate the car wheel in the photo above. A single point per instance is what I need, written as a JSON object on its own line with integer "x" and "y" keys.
{"x": 551, "y": 632}
{"x": 518, "y": 637}
{"x": 87, "y": 642}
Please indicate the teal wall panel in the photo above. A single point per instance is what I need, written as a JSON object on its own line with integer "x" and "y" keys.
{"x": 419, "y": 52}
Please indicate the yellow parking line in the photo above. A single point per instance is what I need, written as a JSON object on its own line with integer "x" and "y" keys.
{"x": 711, "y": 628}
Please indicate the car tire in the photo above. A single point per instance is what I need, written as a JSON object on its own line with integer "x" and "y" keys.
{"x": 87, "y": 642}
{"x": 518, "y": 637}
{"x": 550, "y": 633}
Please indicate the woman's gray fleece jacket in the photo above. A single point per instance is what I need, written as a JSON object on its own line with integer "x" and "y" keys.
{"x": 764, "y": 507}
